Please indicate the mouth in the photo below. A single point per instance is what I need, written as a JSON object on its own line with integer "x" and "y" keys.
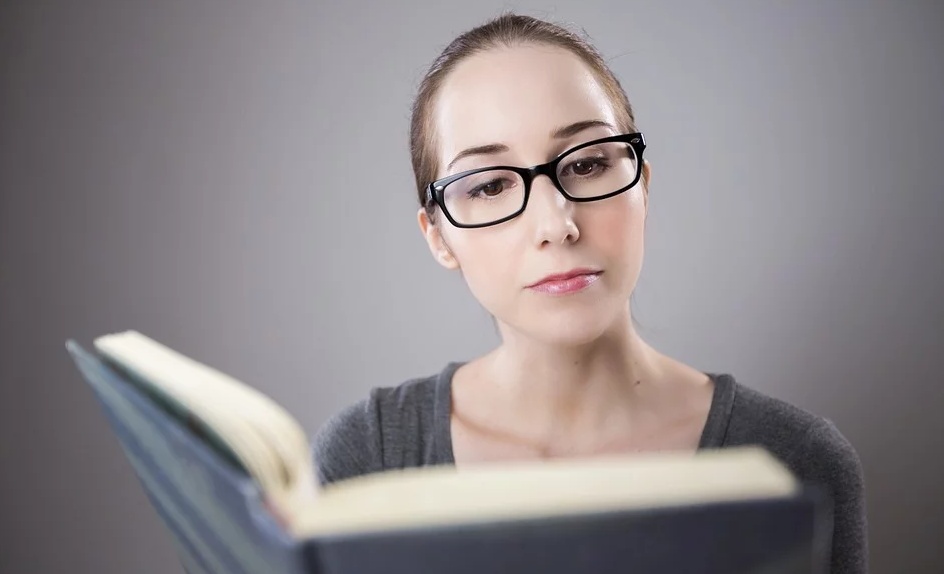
{"x": 565, "y": 283}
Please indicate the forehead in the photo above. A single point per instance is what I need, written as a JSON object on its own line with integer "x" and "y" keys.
{"x": 516, "y": 96}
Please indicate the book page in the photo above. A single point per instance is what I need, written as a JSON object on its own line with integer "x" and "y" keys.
{"x": 445, "y": 495}
{"x": 267, "y": 440}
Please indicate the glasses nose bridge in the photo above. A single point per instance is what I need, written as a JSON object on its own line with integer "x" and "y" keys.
{"x": 548, "y": 169}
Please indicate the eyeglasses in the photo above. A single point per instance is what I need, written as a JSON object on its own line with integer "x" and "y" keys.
{"x": 590, "y": 171}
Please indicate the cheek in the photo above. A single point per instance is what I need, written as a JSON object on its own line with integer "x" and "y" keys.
{"x": 489, "y": 261}
{"x": 618, "y": 229}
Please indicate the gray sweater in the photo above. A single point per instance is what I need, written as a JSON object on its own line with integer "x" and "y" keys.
{"x": 409, "y": 425}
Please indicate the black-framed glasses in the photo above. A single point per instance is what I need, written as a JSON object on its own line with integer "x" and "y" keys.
{"x": 591, "y": 171}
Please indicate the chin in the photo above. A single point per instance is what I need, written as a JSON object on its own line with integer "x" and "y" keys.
{"x": 573, "y": 327}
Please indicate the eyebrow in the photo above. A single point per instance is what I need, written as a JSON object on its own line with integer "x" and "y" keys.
{"x": 488, "y": 149}
{"x": 575, "y": 128}
{"x": 560, "y": 133}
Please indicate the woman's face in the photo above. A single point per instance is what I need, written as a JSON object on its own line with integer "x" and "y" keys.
{"x": 517, "y": 98}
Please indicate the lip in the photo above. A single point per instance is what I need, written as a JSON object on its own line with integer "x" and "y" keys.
{"x": 564, "y": 283}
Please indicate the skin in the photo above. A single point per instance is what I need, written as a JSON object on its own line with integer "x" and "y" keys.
{"x": 571, "y": 376}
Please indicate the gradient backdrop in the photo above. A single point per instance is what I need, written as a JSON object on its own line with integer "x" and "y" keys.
{"x": 233, "y": 180}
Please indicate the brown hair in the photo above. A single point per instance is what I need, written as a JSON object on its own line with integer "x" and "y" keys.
{"x": 506, "y": 30}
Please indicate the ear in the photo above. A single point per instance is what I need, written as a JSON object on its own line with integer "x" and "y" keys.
{"x": 646, "y": 178}
{"x": 434, "y": 239}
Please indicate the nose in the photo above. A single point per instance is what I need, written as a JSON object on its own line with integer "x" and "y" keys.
{"x": 552, "y": 214}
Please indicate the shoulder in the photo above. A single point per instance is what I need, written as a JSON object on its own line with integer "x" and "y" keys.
{"x": 369, "y": 435}
{"x": 347, "y": 444}
{"x": 756, "y": 416}
{"x": 818, "y": 453}
{"x": 808, "y": 442}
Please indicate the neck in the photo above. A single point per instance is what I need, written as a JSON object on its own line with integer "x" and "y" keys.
{"x": 576, "y": 388}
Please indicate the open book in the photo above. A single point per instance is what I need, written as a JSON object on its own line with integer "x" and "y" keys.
{"x": 231, "y": 472}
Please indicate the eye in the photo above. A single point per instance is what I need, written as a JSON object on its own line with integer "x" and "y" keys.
{"x": 489, "y": 188}
{"x": 585, "y": 167}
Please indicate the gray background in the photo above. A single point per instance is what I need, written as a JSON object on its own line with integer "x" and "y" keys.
{"x": 234, "y": 181}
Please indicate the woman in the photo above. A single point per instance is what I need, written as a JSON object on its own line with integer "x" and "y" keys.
{"x": 553, "y": 252}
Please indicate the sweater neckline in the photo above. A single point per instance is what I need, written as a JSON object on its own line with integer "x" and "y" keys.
{"x": 712, "y": 435}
